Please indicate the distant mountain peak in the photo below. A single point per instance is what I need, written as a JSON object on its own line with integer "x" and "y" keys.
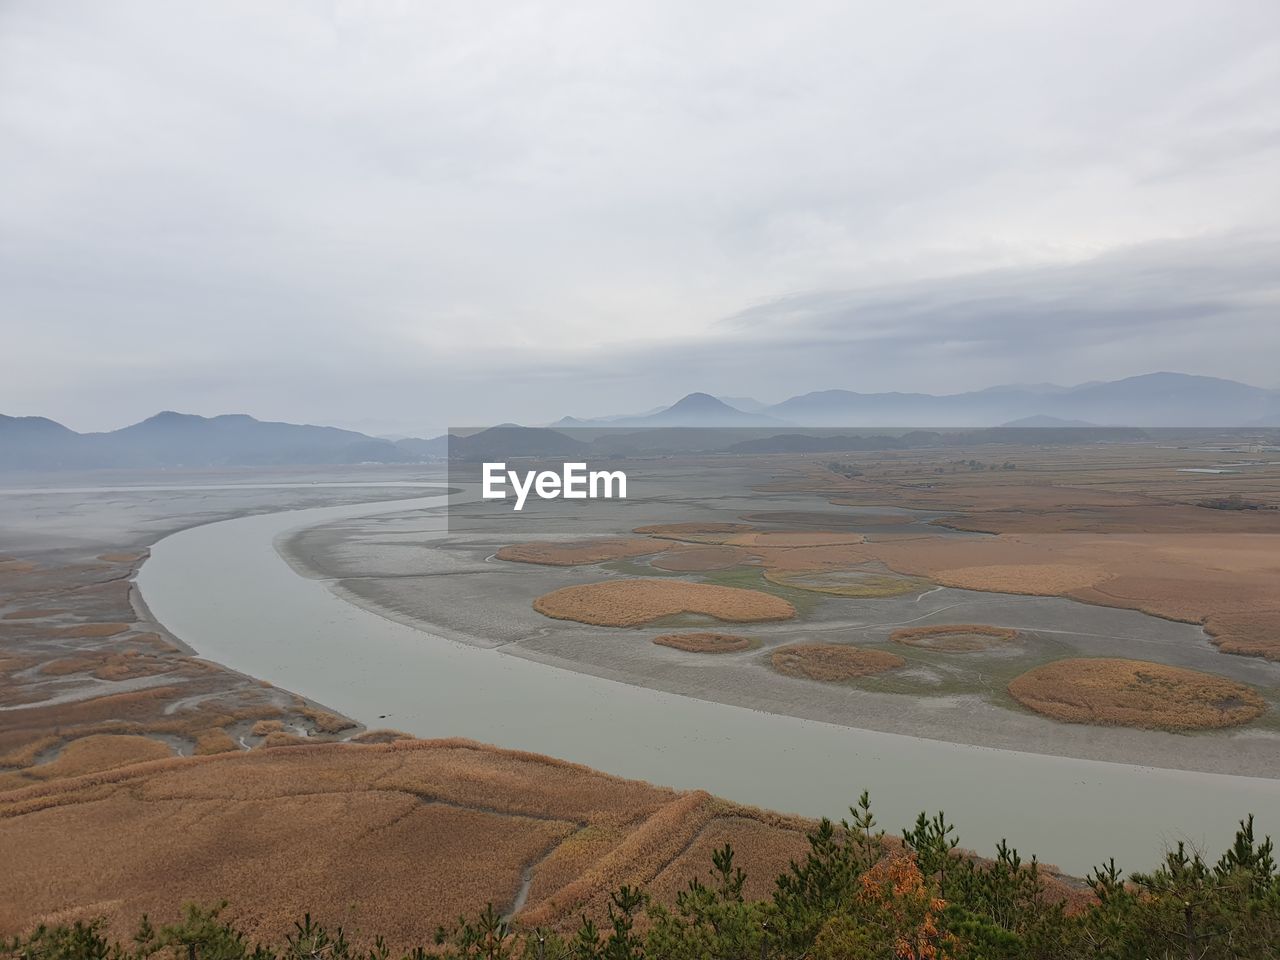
{"x": 172, "y": 439}
{"x": 702, "y": 410}
{"x": 699, "y": 401}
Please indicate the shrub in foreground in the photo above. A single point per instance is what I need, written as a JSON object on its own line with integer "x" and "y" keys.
{"x": 857, "y": 894}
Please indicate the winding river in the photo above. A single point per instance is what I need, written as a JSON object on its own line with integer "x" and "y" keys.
{"x": 225, "y": 590}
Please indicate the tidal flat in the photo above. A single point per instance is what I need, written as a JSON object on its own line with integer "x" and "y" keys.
{"x": 407, "y": 567}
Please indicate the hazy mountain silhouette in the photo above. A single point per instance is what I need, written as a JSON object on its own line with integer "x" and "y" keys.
{"x": 511, "y": 440}
{"x": 184, "y": 440}
{"x": 745, "y": 404}
{"x": 1031, "y": 413}
{"x": 694, "y": 410}
{"x": 1040, "y": 420}
{"x": 1150, "y": 400}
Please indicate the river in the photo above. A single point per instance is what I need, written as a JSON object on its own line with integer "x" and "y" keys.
{"x": 225, "y": 590}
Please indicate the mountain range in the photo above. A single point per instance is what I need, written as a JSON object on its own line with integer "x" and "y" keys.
{"x": 1150, "y": 400}
{"x": 1083, "y": 413}
{"x": 184, "y": 440}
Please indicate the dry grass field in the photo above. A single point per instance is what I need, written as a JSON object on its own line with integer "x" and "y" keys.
{"x": 395, "y": 837}
{"x": 93, "y": 630}
{"x": 956, "y": 637}
{"x": 825, "y": 520}
{"x": 630, "y": 603}
{"x": 1114, "y": 525}
{"x": 690, "y": 559}
{"x": 696, "y": 532}
{"x": 831, "y": 662}
{"x": 1225, "y": 581}
{"x": 704, "y": 642}
{"x": 793, "y": 538}
{"x": 1135, "y": 693}
{"x": 86, "y": 686}
{"x": 31, "y": 614}
{"x": 569, "y": 553}
{"x": 91, "y": 754}
{"x": 849, "y": 582}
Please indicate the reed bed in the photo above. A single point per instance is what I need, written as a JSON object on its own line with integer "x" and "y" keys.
{"x": 956, "y": 637}
{"x": 704, "y": 642}
{"x": 831, "y": 662}
{"x": 570, "y": 553}
{"x": 630, "y": 603}
{"x": 1135, "y": 693}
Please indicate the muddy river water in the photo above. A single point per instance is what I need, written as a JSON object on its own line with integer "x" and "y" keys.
{"x": 225, "y": 590}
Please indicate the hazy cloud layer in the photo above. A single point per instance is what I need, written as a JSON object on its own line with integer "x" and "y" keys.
{"x": 395, "y": 215}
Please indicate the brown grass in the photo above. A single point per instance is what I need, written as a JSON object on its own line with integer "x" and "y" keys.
{"x": 1115, "y": 525}
{"x": 695, "y": 532}
{"x": 11, "y": 665}
{"x": 956, "y": 637}
{"x": 264, "y": 727}
{"x": 569, "y": 553}
{"x": 1251, "y": 633}
{"x": 31, "y": 614}
{"x": 124, "y": 665}
{"x": 326, "y": 722}
{"x": 704, "y": 642}
{"x": 215, "y": 741}
{"x": 131, "y": 706}
{"x": 629, "y": 603}
{"x": 281, "y": 738}
{"x": 826, "y": 520}
{"x": 831, "y": 661}
{"x": 851, "y": 582}
{"x": 90, "y": 631}
{"x": 370, "y": 817}
{"x": 795, "y": 538}
{"x": 810, "y": 559}
{"x": 763, "y": 847}
{"x": 19, "y": 748}
{"x": 65, "y": 666}
{"x": 1135, "y": 693}
{"x": 381, "y": 735}
{"x": 121, "y": 557}
{"x": 130, "y": 664}
{"x": 100, "y": 752}
{"x": 90, "y": 754}
{"x": 1039, "y": 579}
{"x": 1224, "y": 581}
{"x": 696, "y": 559}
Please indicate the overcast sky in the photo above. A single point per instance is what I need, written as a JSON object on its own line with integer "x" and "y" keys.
{"x": 399, "y": 215}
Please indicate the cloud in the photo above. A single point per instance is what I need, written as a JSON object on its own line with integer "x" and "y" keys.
{"x": 447, "y": 211}
{"x": 1224, "y": 283}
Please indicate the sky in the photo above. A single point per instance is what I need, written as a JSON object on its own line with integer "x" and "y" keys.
{"x": 397, "y": 216}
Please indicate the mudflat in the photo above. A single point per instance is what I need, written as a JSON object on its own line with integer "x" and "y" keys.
{"x": 905, "y": 558}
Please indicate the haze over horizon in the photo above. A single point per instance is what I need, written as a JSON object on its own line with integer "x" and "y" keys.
{"x": 388, "y": 217}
